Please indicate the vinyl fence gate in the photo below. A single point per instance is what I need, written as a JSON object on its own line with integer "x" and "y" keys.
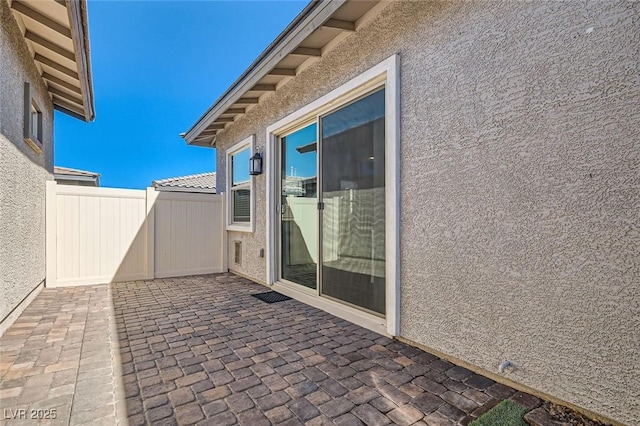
{"x": 101, "y": 235}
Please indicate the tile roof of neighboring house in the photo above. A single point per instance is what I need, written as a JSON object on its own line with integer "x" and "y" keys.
{"x": 203, "y": 182}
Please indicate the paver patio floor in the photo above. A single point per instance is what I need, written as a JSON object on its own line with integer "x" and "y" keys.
{"x": 202, "y": 350}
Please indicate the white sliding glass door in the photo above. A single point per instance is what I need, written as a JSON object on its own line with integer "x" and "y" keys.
{"x": 353, "y": 196}
{"x": 332, "y": 204}
{"x": 299, "y": 207}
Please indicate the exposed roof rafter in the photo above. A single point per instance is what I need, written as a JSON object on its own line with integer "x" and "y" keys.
{"x": 56, "y": 66}
{"x": 60, "y": 82}
{"x": 217, "y": 126}
{"x": 318, "y": 29}
{"x": 307, "y": 51}
{"x": 234, "y": 111}
{"x": 248, "y": 101}
{"x": 68, "y": 107}
{"x": 56, "y": 33}
{"x": 283, "y": 71}
{"x": 22, "y": 8}
{"x": 341, "y": 25}
{"x": 264, "y": 88}
{"x": 35, "y": 38}
{"x": 69, "y": 97}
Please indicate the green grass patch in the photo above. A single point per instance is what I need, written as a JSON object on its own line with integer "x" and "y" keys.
{"x": 507, "y": 413}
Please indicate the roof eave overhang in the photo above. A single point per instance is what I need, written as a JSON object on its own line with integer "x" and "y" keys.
{"x": 57, "y": 39}
{"x": 310, "y": 19}
{"x": 79, "y": 20}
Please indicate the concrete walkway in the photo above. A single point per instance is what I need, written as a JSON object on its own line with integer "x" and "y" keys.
{"x": 202, "y": 350}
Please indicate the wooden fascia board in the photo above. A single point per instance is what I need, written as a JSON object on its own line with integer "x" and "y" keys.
{"x": 319, "y": 15}
{"x": 78, "y": 22}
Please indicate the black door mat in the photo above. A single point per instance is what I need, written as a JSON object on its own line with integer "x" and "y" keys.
{"x": 271, "y": 297}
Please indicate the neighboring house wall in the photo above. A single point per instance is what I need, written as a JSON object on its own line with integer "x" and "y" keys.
{"x": 23, "y": 172}
{"x": 519, "y": 189}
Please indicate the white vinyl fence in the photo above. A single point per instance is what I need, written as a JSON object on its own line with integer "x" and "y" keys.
{"x": 104, "y": 235}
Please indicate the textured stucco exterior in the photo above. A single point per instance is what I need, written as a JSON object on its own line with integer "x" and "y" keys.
{"x": 520, "y": 188}
{"x": 23, "y": 172}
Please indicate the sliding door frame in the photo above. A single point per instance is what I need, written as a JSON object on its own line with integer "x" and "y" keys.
{"x": 277, "y": 169}
{"x": 385, "y": 74}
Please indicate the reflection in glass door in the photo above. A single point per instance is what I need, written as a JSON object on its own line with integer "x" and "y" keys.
{"x": 298, "y": 207}
{"x": 353, "y": 194}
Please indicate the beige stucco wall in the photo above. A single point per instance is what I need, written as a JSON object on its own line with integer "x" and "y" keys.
{"x": 520, "y": 189}
{"x": 23, "y": 172}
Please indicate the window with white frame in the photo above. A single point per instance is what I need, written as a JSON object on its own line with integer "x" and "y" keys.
{"x": 32, "y": 121}
{"x": 240, "y": 195}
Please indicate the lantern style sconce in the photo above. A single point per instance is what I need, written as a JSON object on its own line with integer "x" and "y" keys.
{"x": 255, "y": 164}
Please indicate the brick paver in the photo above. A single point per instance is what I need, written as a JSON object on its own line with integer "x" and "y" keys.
{"x": 202, "y": 350}
{"x": 59, "y": 364}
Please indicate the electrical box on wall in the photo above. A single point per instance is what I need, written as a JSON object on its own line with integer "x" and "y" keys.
{"x": 262, "y": 253}
{"x": 237, "y": 252}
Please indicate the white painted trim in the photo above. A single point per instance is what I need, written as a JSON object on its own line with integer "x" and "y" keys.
{"x": 270, "y": 208}
{"x": 51, "y": 224}
{"x": 239, "y": 228}
{"x": 249, "y": 142}
{"x": 385, "y": 73}
{"x": 392, "y": 195}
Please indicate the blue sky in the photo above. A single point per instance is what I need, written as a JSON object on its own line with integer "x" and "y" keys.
{"x": 157, "y": 66}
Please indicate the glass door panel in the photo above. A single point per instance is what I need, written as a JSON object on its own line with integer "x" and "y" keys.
{"x": 299, "y": 207}
{"x": 353, "y": 193}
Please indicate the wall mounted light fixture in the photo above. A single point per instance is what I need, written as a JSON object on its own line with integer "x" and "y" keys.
{"x": 255, "y": 164}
